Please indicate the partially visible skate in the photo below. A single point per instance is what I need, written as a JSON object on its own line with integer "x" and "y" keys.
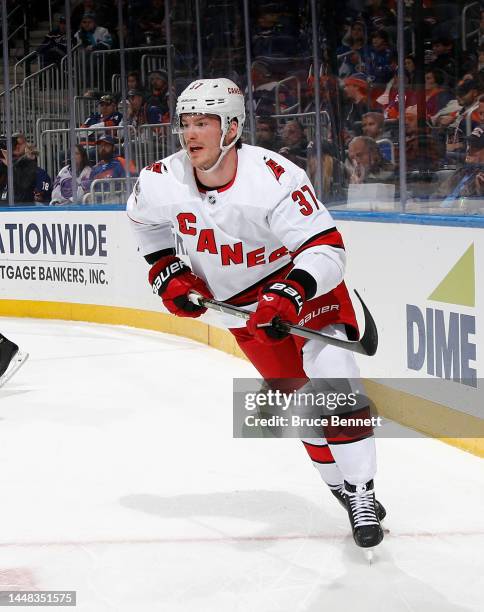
{"x": 11, "y": 359}
{"x": 360, "y": 503}
{"x": 339, "y": 493}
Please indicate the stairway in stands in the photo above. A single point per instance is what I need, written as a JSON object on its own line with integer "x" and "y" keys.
{"x": 17, "y": 50}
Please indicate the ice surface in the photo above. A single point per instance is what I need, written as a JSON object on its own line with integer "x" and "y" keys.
{"x": 119, "y": 479}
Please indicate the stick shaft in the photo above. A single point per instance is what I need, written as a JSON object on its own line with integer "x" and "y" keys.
{"x": 297, "y": 330}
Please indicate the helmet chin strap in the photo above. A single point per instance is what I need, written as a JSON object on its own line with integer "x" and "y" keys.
{"x": 223, "y": 153}
{"x": 224, "y": 149}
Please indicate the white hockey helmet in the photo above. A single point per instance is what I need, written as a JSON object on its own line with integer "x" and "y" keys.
{"x": 221, "y": 97}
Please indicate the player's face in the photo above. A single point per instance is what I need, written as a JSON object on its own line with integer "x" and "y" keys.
{"x": 202, "y": 135}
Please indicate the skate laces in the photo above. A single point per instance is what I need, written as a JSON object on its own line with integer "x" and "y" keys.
{"x": 362, "y": 506}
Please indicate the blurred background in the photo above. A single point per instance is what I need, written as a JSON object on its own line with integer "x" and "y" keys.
{"x": 378, "y": 100}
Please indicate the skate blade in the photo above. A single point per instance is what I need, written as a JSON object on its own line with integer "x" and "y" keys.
{"x": 369, "y": 554}
{"x": 16, "y": 363}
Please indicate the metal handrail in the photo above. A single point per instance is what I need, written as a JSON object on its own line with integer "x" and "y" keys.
{"x": 144, "y": 65}
{"x": 41, "y": 121}
{"x": 92, "y": 193}
{"x": 116, "y": 83}
{"x": 100, "y": 53}
{"x": 465, "y": 34}
{"x": 24, "y": 59}
{"x": 77, "y": 50}
{"x": 9, "y": 15}
{"x": 298, "y": 89}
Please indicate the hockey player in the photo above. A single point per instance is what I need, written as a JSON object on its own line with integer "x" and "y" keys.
{"x": 256, "y": 236}
{"x": 11, "y": 359}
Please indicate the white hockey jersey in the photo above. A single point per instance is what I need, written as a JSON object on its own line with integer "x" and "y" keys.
{"x": 257, "y": 227}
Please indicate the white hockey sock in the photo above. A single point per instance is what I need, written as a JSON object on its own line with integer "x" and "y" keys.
{"x": 356, "y": 460}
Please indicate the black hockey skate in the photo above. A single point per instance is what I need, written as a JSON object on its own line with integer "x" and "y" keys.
{"x": 11, "y": 359}
{"x": 339, "y": 492}
{"x": 361, "y": 506}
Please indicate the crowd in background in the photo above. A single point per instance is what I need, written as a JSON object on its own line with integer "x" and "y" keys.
{"x": 357, "y": 79}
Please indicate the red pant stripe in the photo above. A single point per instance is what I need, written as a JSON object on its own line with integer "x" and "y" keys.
{"x": 320, "y": 454}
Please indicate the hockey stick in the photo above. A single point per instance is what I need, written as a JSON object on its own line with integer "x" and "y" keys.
{"x": 366, "y": 345}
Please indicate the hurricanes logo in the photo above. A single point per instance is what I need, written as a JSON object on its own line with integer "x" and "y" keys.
{"x": 441, "y": 339}
{"x": 276, "y": 169}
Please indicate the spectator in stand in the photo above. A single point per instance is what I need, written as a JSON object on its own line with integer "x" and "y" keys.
{"x": 366, "y": 164}
{"x": 108, "y": 166}
{"x": 480, "y": 59}
{"x": 389, "y": 100}
{"x": 353, "y": 54}
{"x": 54, "y": 46}
{"x": 107, "y": 116}
{"x": 133, "y": 80}
{"x": 19, "y": 145}
{"x": 24, "y": 175}
{"x": 424, "y": 152}
{"x": 273, "y": 32}
{"x": 372, "y": 126}
{"x": 139, "y": 112}
{"x": 265, "y": 84}
{"x": 378, "y": 15}
{"x": 478, "y": 38}
{"x": 460, "y": 123}
{"x": 42, "y": 187}
{"x": 480, "y": 113}
{"x": 437, "y": 96}
{"x": 410, "y": 70}
{"x": 443, "y": 50}
{"x": 266, "y": 133}
{"x": 294, "y": 143}
{"x": 357, "y": 104}
{"x": 328, "y": 102}
{"x": 62, "y": 192}
{"x": 468, "y": 181}
{"x": 151, "y": 22}
{"x": 158, "y": 90}
{"x": 3, "y": 177}
{"x": 92, "y": 36}
{"x": 332, "y": 171}
{"x": 42, "y": 190}
{"x": 380, "y": 61}
{"x": 98, "y": 7}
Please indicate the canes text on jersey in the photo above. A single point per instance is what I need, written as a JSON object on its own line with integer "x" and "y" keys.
{"x": 229, "y": 253}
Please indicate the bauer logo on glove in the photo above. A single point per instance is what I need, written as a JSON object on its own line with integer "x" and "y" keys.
{"x": 280, "y": 301}
{"x": 173, "y": 280}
